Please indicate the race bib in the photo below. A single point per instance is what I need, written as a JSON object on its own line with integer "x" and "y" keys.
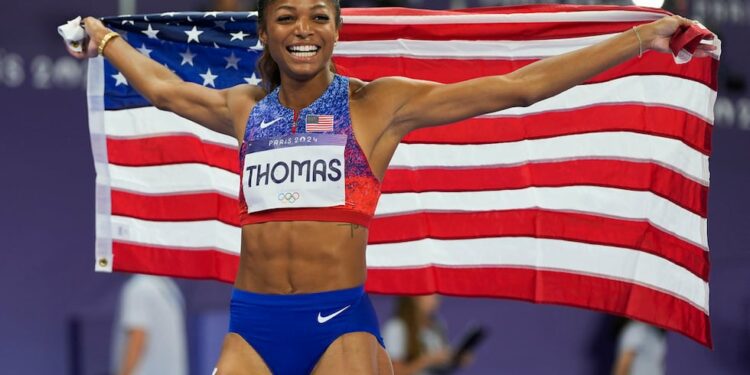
{"x": 294, "y": 171}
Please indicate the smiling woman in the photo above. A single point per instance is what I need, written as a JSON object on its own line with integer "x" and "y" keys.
{"x": 314, "y": 147}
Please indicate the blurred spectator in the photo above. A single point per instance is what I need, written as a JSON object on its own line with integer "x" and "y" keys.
{"x": 641, "y": 350}
{"x": 149, "y": 333}
{"x": 415, "y": 339}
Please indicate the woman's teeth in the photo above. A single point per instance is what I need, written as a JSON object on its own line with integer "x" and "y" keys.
{"x": 303, "y": 51}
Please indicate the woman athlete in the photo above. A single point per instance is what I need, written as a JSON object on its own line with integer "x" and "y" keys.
{"x": 298, "y": 305}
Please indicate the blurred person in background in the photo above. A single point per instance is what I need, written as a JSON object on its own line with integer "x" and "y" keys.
{"x": 149, "y": 333}
{"x": 641, "y": 349}
{"x": 415, "y": 337}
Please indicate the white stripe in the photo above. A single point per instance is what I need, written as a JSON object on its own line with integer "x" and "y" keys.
{"x": 668, "y": 152}
{"x": 448, "y": 20}
{"x": 175, "y": 178}
{"x": 150, "y": 121}
{"x": 195, "y": 234}
{"x": 575, "y": 257}
{"x": 466, "y": 49}
{"x": 652, "y": 90}
{"x": 610, "y": 202}
{"x": 97, "y": 132}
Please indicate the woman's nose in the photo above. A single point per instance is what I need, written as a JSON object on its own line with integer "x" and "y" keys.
{"x": 302, "y": 28}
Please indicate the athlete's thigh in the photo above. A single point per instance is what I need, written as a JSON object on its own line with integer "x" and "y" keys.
{"x": 354, "y": 353}
{"x": 239, "y": 358}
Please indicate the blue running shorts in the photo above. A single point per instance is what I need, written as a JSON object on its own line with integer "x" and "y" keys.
{"x": 292, "y": 331}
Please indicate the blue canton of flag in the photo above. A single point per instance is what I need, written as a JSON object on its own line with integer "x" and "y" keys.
{"x": 213, "y": 49}
{"x": 318, "y": 123}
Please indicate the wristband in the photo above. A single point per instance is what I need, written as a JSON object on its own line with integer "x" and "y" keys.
{"x": 640, "y": 42}
{"x": 110, "y": 35}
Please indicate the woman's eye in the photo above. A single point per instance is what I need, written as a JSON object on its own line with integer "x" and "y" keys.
{"x": 284, "y": 18}
{"x": 321, "y": 17}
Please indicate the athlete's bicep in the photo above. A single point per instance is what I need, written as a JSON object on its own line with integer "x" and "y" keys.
{"x": 427, "y": 103}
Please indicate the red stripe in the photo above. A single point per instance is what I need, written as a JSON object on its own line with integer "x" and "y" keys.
{"x": 619, "y": 174}
{"x": 539, "y": 223}
{"x": 182, "y": 207}
{"x": 172, "y": 149}
{"x": 530, "y": 8}
{"x": 194, "y": 264}
{"x": 368, "y": 68}
{"x": 452, "y": 225}
{"x": 482, "y": 31}
{"x": 657, "y": 121}
{"x": 541, "y": 286}
{"x": 663, "y": 122}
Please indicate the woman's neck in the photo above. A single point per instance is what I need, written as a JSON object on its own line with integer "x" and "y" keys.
{"x": 296, "y": 94}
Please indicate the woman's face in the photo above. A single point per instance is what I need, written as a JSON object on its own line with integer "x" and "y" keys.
{"x": 300, "y": 35}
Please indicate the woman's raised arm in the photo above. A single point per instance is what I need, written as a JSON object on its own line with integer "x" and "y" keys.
{"x": 415, "y": 104}
{"x": 214, "y": 109}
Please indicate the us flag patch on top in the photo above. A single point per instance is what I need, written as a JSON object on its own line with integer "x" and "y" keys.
{"x": 319, "y": 123}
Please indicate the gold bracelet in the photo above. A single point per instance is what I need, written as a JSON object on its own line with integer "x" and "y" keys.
{"x": 110, "y": 35}
{"x": 640, "y": 42}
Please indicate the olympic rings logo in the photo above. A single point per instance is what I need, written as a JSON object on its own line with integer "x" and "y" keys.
{"x": 288, "y": 197}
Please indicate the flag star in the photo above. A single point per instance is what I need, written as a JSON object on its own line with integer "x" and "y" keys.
{"x": 168, "y": 14}
{"x": 221, "y": 24}
{"x": 253, "y": 80}
{"x": 144, "y": 50}
{"x": 238, "y": 35}
{"x": 150, "y": 32}
{"x": 170, "y": 69}
{"x": 232, "y": 61}
{"x": 208, "y": 78}
{"x": 257, "y": 47}
{"x": 187, "y": 57}
{"x": 193, "y": 34}
{"x": 212, "y": 14}
{"x": 128, "y": 21}
{"x": 120, "y": 79}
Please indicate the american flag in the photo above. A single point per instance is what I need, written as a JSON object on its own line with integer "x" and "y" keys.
{"x": 319, "y": 123}
{"x": 595, "y": 198}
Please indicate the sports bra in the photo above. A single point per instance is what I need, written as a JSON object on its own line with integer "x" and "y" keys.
{"x": 306, "y": 165}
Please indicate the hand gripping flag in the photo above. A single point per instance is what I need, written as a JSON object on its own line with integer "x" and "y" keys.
{"x": 594, "y": 198}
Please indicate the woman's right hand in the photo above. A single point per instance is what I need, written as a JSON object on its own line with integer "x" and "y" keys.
{"x": 95, "y": 31}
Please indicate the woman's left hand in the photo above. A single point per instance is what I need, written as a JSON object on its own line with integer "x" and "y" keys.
{"x": 656, "y": 35}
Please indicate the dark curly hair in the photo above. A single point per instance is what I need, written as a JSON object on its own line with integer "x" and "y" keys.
{"x": 269, "y": 70}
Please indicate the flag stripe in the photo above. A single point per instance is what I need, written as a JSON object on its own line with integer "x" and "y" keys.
{"x": 199, "y": 235}
{"x": 452, "y": 70}
{"x": 618, "y": 203}
{"x": 512, "y": 15}
{"x": 599, "y": 293}
{"x": 607, "y": 145}
{"x": 570, "y": 226}
{"x": 619, "y": 174}
{"x": 547, "y": 254}
{"x": 635, "y": 234}
{"x": 158, "y": 146}
{"x": 669, "y": 153}
{"x": 194, "y": 264}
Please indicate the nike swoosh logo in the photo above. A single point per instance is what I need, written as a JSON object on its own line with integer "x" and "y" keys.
{"x": 265, "y": 124}
{"x": 323, "y": 319}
